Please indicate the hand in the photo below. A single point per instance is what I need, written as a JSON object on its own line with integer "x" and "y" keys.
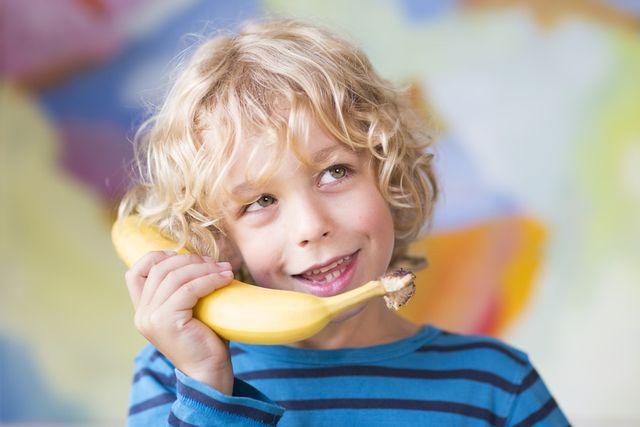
{"x": 164, "y": 288}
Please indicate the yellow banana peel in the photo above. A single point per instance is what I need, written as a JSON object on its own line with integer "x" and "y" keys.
{"x": 255, "y": 315}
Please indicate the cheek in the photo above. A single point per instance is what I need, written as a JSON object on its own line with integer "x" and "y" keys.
{"x": 259, "y": 251}
{"x": 374, "y": 218}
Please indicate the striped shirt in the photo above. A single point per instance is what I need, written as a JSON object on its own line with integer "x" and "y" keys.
{"x": 433, "y": 378}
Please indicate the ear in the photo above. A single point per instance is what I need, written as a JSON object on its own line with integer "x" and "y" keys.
{"x": 229, "y": 252}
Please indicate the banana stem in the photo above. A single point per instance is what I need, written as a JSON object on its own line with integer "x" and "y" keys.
{"x": 339, "y": 303}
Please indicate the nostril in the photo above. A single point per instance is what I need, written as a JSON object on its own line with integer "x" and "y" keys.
{"x": 315, "y": 237}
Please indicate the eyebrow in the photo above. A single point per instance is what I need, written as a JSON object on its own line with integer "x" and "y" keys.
{"x": 327, "y": 153}
{"x": 244, "y": 188}
{"x": 320, "y": 156}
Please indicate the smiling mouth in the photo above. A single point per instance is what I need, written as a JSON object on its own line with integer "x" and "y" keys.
{"x": 327, "y": 273}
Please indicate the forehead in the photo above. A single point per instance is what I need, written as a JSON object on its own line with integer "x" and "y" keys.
{"x": 258, "y": 156}
{"x": 260, "y": 151}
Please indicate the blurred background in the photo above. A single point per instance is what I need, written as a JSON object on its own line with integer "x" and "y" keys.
{"x": 536, "y": 239}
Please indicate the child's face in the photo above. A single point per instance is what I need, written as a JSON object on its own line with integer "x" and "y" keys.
{"x": 320, "y": 231}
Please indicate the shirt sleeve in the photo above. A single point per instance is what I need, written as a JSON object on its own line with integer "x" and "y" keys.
{"x": 534, "y": 405}
{"x": 162, "y": 395}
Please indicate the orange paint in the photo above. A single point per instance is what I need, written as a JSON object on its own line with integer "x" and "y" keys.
{"x": 480, "y": 278}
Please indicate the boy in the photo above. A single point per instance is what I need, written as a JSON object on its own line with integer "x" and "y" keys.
{"x": 281, "y": 151}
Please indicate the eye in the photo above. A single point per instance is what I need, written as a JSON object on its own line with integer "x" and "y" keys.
{"x": 264, "y": 201}
{"x": 334, "y": 173}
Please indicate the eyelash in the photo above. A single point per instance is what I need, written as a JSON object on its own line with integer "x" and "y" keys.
{"x": 348, "y": 171}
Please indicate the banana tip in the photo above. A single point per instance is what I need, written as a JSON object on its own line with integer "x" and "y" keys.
{"x": 400, "y": 287}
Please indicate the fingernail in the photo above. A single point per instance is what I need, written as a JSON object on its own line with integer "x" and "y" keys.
{"x": 224, "y": 265}
{"x": 226, "y": 273}
{"x": 170, "y": 253}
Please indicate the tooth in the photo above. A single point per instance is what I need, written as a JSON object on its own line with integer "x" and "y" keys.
{"x": 335, "y": 274}
{"x": 330, "y": 266}
{"x": 334, "y": 265}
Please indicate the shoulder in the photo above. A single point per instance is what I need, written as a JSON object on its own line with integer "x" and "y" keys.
{"x": 477, "y": 348}
{"x": 482, "y": 357}
{"x": 497, "y": 376}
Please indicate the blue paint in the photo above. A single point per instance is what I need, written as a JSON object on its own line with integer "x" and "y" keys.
{"x": 419, "y": 11}
{"x": 94, "y": 95}
{"x": 25, "y": 396}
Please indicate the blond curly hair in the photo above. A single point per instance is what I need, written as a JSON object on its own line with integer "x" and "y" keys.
{"x": 275, "y": 76}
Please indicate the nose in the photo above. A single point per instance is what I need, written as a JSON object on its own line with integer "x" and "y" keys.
{"x": 310, "y": 220}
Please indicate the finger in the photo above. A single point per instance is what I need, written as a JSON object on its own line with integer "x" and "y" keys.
{"x": 143, "y": 266}
{"x": 134, "y": 287}
{"x": 158, "y": 271}
{"x": 186, "y": 297}
{"x": 182, "y": 275}
{"x": 136, "y": 276}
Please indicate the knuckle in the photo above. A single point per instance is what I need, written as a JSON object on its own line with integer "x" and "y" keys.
{"x": 129, "y": 275}
{"x": 140, "y": 323}
{"x": 216, "y": 267}
{"x": 155, "y": 320}
{"x": 190, "y": 288}
{"x": 172, "y": 276}
{"x": 193, "y": 258}
{"x": 155, "y": 271}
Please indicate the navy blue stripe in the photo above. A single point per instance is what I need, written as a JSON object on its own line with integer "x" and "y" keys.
{"x": 540, "y": 414}
{"x": 236, "y": 350}
{"x": 529, "y": 380}
{"x": 381, "y": 371}
{"x": 168, "y": 381}
{"x": 177, "y": 422}
{"x": 159, "y": 400}
{"x": 156, "y": 355}
{"x": 473, "y": 346}
{"x": 245, "y": 411}
{"x": 418, "y": 405}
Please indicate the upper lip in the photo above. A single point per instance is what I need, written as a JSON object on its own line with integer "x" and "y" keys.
{"x": 324, "y": 264}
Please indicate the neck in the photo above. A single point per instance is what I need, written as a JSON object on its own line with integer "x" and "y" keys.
{"x": 371, "y": 323}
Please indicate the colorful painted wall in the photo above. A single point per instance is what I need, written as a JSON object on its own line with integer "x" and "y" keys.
{"x": 536, "y": 239}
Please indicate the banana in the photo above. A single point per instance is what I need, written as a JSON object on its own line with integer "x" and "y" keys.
{"x": 255, "y": 315}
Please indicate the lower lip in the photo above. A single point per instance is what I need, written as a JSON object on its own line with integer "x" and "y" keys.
{"x": 335, "y": 286}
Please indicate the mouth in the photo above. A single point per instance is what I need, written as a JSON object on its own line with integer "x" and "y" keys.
{"x": 329, "y": 279}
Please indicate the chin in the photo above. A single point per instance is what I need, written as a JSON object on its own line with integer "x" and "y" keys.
{"x": 348, "y": 314}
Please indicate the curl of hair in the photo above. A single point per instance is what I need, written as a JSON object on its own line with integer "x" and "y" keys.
{"x": 275, "y": 75}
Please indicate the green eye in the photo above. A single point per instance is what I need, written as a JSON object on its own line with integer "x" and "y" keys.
{"x": 338, "y": 172}
{"x": 335, "y": 173}
{"x": 263, "y": 202}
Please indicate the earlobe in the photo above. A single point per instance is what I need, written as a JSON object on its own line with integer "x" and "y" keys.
{"x": 230, "y": 253}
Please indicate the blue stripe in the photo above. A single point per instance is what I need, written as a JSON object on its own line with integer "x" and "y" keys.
{"x": 154, "y": 402}
{"x": 539, "y": 415}
{"x": 177, "y": 422}
{"x": 168, "y": 381}
{"x": 210, "y": 402}
{"x": 473, "y": 346}
{"x": 380, "y": 371}
{"x": 395, "y": 404}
